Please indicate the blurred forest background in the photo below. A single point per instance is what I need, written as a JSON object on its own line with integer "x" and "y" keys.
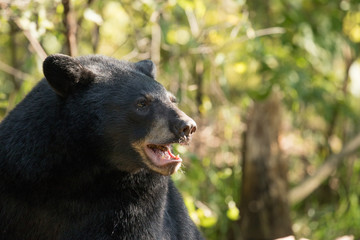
{"x": 273, "y": 85}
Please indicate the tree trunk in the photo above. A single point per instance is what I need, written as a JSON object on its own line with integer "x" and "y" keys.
{"x": 264, "y": 205}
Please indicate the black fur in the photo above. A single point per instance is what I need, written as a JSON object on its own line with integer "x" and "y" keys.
{"x": 68, "y": 169}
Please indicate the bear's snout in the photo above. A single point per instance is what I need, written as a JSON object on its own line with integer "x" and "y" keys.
{"x": 183, "y": 126}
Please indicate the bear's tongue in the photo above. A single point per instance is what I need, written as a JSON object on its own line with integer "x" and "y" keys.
{"x": 163, "y": 154}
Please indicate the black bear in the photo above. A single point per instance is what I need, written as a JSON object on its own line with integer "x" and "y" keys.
{"x": 87, "y": 155}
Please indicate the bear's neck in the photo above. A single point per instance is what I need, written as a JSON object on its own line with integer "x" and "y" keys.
{"x": 115, "y": 182}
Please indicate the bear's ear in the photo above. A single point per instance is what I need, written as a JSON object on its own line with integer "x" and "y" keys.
{"x": 147, "y": 67}
{"x": 64, "y": 73}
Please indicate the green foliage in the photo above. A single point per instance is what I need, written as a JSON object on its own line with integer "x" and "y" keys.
{"x": 218, "y": 57}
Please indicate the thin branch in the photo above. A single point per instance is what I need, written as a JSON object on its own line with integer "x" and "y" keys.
{"x": 71, "y": 27}
{"x": 15, "y": 72}
{"x": 96, "y": 38}
{"x": 14, "y": 62}
{"x": 251, "y": 34}
{"x": 155, "y": 37}
{"x": 302, "y": 191}
{"x": 194, "y": 26}
{"x": 17, "y": 3}
{"x": 134, "y": 54}
{"x": 39, "y": 50}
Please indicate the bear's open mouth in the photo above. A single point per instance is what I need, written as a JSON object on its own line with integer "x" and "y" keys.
{"x": 161, "y": 154}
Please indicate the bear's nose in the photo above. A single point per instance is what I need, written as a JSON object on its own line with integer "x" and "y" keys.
{"x": 187, "y": 127}
{"x": 182, "y": 125}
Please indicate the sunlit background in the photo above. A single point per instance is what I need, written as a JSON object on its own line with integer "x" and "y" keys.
{"x": 220, "y": 58}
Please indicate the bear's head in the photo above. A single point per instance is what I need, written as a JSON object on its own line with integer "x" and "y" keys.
{"x": 125, "y": 110}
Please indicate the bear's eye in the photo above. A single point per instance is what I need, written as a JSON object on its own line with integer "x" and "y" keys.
{"x": 141, "y": 103}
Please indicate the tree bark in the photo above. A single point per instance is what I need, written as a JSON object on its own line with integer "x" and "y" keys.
{"x": 264, "y": 204}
